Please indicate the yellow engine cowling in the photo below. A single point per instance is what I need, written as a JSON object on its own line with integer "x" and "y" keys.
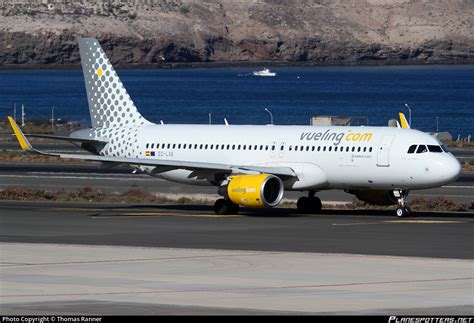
{"x": 377, "y": 197}
{"x": 255, "y": 191}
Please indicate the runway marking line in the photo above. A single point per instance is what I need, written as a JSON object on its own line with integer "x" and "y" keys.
{"x": 127, "y": 215}
{"x": 402, "y": 221}
{"x": 214, "y": 290}
{"x": 427, "y": 221}
{"x": 91, "y": 262}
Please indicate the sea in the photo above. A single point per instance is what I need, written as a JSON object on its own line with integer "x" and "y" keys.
{"x": 440, "y": 98}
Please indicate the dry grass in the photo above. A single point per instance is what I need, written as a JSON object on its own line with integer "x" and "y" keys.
{"x": 459, "y": 144}
{"x": 467, "y": 165}
{"x": 13, "y": 156}
{"x": 440, "y": 203}
{"x": 136, "y": 195}
{"x": 91, "y": 194}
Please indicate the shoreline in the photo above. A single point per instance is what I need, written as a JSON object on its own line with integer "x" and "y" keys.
{"x": 233, "y": 64}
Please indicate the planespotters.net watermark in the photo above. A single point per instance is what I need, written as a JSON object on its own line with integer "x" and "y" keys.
{"x": 418, "y": 319}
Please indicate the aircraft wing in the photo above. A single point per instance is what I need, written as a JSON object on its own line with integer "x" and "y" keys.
{"x": 163, "y": 165}
{"x": 92, "y": 141}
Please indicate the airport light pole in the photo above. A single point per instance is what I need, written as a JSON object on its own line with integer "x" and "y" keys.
{"x": 409, "y": 114}
{"x": 271, "y": 115}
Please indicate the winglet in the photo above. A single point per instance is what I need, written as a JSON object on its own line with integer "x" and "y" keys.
{"x": 403, "y": 121}
{"x": 24, "y": 143}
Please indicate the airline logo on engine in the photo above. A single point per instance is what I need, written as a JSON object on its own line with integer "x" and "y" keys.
{"x": 336, "y": 137}
{"x": 244, "y": 190}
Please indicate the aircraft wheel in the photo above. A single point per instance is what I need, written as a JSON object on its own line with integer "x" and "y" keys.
{"x": 303, "y": 204}
{"x": 223, "y": 206}
{"x": 403, "y": 211}
{"x": 316, "y": 204}
{"x": 309, "y": 204}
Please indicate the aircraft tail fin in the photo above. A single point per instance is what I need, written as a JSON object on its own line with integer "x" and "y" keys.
{"x": 403, "y": 121}
{"x": 109, "y": 103}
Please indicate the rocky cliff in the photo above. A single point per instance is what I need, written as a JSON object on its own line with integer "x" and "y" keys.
{"x": 156, "y": 32}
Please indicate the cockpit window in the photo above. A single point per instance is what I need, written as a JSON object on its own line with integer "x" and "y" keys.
{"x": 435, "y": 149}
{"x": 412, "y": 149}
{"x": 421, "y": 149}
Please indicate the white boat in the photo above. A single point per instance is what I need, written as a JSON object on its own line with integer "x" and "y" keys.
{"x": 264, "y": 72}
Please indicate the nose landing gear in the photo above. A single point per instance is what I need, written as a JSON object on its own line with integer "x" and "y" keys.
{"x": 403, "y": 209}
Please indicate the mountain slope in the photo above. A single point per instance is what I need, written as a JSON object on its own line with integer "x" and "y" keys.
{"x": 316, "y": 31}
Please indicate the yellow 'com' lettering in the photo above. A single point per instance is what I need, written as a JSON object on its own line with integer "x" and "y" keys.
{"x": 357, "y": 136}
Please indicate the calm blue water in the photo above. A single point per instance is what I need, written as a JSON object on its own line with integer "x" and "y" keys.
{"x": 189, "y": 95}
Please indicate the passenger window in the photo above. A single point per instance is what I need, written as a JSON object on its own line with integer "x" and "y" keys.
{"x": 319, "y": 148}
{"x": 312, "y": 148}
{"x": 353, "y": 149}
{"x": 147, "y": 145}
{"x": 169, "y": 146}
{"x": 435, "y": 149}
{"x": 324, "y": 148}
{"x": 296, "y": 148}
{"x": 421, "y": 149}
{"x": 282, "y": 147}
{"x": 290, "y": 148}
{"x": 184, "y": 146}
{"x": 370, "y": 149}
{"x": 330, "y": 148}
{"x": 412, "y": 149}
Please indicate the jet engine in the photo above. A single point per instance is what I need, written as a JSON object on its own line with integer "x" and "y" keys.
{"x": 377, "y": 197}
{"x": 255, "y": 191}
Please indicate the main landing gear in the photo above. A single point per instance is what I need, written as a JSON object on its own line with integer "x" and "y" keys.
{"x": 223, "y": 206}
{"x": 403, "y": 209}
{"x": 310, "y": 204}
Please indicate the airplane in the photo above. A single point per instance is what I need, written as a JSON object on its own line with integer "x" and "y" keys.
{"x": 253, "y": 165}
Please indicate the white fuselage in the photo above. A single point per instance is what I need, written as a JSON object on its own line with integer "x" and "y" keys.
{"x": 322, "y": 157}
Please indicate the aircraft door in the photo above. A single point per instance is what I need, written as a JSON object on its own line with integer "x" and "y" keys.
{"x": 383, "y": 153}
{"x": 273, "y": 149}
{"x": 281, "y": 150}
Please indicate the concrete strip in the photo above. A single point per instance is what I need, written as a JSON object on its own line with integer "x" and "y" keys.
{"x": 274, "y": 281}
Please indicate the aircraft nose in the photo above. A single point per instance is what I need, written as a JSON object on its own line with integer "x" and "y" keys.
{"x": 452, "y": 170}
